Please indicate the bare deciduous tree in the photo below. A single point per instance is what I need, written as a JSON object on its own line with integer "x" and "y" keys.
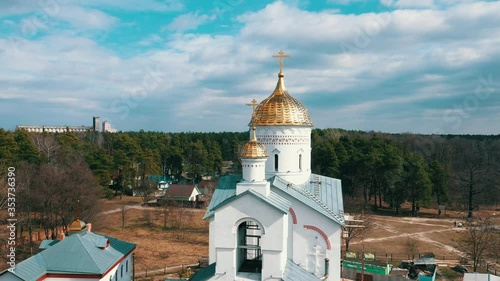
{"x": 359, "y": 224}
{"x": 480, "y": 239}
{"x": 147, "y": 216}
{"x": 123, "y": 211}
{"x": 53, "y": 191}
{"x": 411, "y": 245}
{"x": 164, "y": 211}
{"x": 47, "y": 145}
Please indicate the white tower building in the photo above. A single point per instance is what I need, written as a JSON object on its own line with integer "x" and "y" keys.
{"x": 253, "y": 157}
{"x": 284, "y": 127}
{"x": 276, "y": 221}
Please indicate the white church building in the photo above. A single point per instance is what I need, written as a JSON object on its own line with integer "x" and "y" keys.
{"x": 276, "y": 221}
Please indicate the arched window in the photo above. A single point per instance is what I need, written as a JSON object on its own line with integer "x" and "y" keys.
{"x": 121, "y": 270}
{"x": 249, "y": 252}
{"x": 275, "y": 162}
{"x": 116, "y": 276}
{"x": 300, "y": 162}
{"x": 126, "y": 266}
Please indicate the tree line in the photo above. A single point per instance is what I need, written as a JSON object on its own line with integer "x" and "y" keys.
{"x": 457, "y": 171}
{"x": 377, "y": 169}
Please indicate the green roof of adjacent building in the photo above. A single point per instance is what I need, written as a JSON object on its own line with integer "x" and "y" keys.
{"x": 204, "y": 274}
{"x": 84, "y": 253}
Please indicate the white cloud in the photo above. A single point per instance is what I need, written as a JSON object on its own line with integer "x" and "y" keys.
{"x": 151, "y": 40}
{"x": 414, "y": 60}
{"x": 343, "y": 2}
{"x": 8, "y": 22}
{"x": 85, "y": 18}
{"x": 415, "y": 4}
{"x": 387, "y": 2}
{"x": 190, "y": 21}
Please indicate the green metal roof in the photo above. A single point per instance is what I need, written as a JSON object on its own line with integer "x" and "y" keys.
{"x": 226, "y": 188}
{"x": 293, "y": 272}
{"x": 274, "y": 200}
{"x": 327, "y": 202}
{"x": 321, "y": 193}
{"x": 204, "y": 273}
{"x": 78, "y": 253}
{"x": 47, "y": 243}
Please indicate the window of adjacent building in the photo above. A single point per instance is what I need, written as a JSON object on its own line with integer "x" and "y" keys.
{"x": 275, "y": 162}
{"x": 300, "y": 162}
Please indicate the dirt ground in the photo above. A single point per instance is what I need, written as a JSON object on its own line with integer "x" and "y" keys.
{"x": 391, "y": 234}
{"x": 183, "y": 241}
{"x": 185, "y": 238}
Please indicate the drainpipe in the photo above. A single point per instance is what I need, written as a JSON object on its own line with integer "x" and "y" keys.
{"x": 327, "y": 265}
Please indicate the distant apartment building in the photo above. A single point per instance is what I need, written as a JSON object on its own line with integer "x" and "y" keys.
{"x": 96, "y": 123}
{"x": 54, "y": 129}
{"x": 106, "y": 127}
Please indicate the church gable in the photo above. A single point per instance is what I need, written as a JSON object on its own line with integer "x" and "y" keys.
{"x": 226, "y": 188}
{"x": 273, "y": 200}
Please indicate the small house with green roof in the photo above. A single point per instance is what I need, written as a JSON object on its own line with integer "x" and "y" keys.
{"x": 82, "y": 255}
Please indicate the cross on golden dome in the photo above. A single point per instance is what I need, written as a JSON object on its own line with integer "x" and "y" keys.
{"x": 281, "y": 55}
{"x": 253, "y": 105}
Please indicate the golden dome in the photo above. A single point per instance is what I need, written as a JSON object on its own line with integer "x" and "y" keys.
{"x": 253, "y": 149}
{"x": 76, "y": 226}
{"x": 281, "y": 109}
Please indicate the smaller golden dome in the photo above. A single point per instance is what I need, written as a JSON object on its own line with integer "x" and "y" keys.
{"x": 76, "y": 226}
{"x": 253, "y": 149}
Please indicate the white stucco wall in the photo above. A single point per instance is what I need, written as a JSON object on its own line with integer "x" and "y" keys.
{"x": 307, "y": 216}
{"x": 273, "y": 245}
{"x": 212, "y": 235}
{"x": 254, "y": 170}
{"x": 288, "y": 142}
{"x": 195, "y": 192}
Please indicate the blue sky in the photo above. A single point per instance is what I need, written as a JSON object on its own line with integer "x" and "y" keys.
{"x": 421, "y": 66}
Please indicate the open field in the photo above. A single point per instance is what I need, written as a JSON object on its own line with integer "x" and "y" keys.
{"x": 183, "y": 241}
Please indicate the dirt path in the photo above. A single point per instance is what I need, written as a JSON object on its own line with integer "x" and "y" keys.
{"x": 441, "y": 224}
{"x": 127, "y": 207}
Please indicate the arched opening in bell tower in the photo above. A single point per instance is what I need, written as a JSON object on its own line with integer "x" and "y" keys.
{"x": 249, "y": 253}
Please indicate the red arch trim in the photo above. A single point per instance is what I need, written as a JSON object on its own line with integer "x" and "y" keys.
{"x": 294, "y": 216}
{"x": 323, "y": 234}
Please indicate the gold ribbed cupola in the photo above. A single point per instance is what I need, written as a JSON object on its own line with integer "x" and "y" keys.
{"x": 281, "y": 108}
{"x": 253, "y": 149}
{"x": 77, "y": 225}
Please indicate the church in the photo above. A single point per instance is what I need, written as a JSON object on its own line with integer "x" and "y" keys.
{"x": 278, "y": 220}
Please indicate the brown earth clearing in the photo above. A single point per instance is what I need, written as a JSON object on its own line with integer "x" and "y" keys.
{"x": 185, "y": 238}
